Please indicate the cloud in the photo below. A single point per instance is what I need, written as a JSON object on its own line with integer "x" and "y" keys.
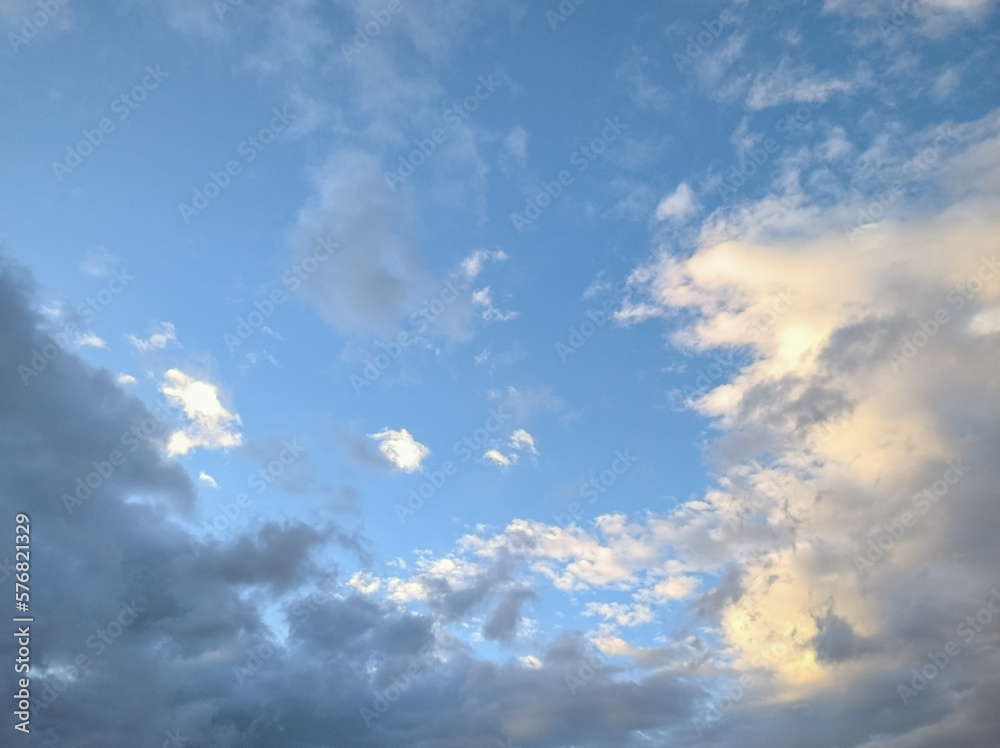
{"x": 374, "y": 277}
{"x": 473, "y": 264}
{"x": 797, "y": 84}
{"x": 522, "y": 440}
{"x": 99, "y": 262}
{"x": 484, "y": 300}
{"x": 90, "y": 340}
{"x": 845, "y": 392}
{"x": 499, "y": 458}
{"x": 678, "y": 205}
{"x": 401, "y": 449}
{"x": 212, "y": 425}
{"x": 514, "y": 152}
{"x": 126, "y": 379}
{"x": 156, "y": 341}
{"x": 207, "y": 479}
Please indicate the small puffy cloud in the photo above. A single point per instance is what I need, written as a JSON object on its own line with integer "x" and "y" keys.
{"x": 530, "y": 662}
{"x": 157, "y": 340}
{"x": 90, "y": 340}
{"x": 473, "y": 264}
{"x": 676, "y": 588}
{"x": 678, "y": 205}
{"x": 521, "y": 440}
{"x": 212, "y": 425}
{"x": 499, "y": 458}
{"x": 207, "y": 479}
{"x": 365, "y": 583}
{"x": 401, "y": 449}
{"x": 126, "y": 379}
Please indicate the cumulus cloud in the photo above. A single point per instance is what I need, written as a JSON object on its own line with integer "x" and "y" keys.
{"x": 401, "y": 449}
{"x": 212, "y": 426}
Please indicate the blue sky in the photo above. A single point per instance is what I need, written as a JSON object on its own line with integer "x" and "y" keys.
{"x": 670, "y": 247}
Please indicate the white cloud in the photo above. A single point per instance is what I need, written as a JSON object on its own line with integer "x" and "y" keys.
{"x": 157, "y": 340}
{"x": 623, "y": 615}
{"x": 90, "y": 340}
{"x": 365, "y": 582}
{"x": 678, "y": 205}
{"x": 401, "y": 449}
{"x": 212, "y": 425}
{"x": 787, "y": 84}
{"x": 499, "y": 458}
{"x": 484, "y": 300}
{"x": 473, "y": 264}
{"x": 530, "y": 662}
{"x": 522, "y": 440}
{"x": 857, "y": 417}
{"x": 126, "y": 379}
{"x": 207, "y": 479}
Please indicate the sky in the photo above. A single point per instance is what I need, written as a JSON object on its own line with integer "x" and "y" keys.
{"x": 441, "y": 374}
